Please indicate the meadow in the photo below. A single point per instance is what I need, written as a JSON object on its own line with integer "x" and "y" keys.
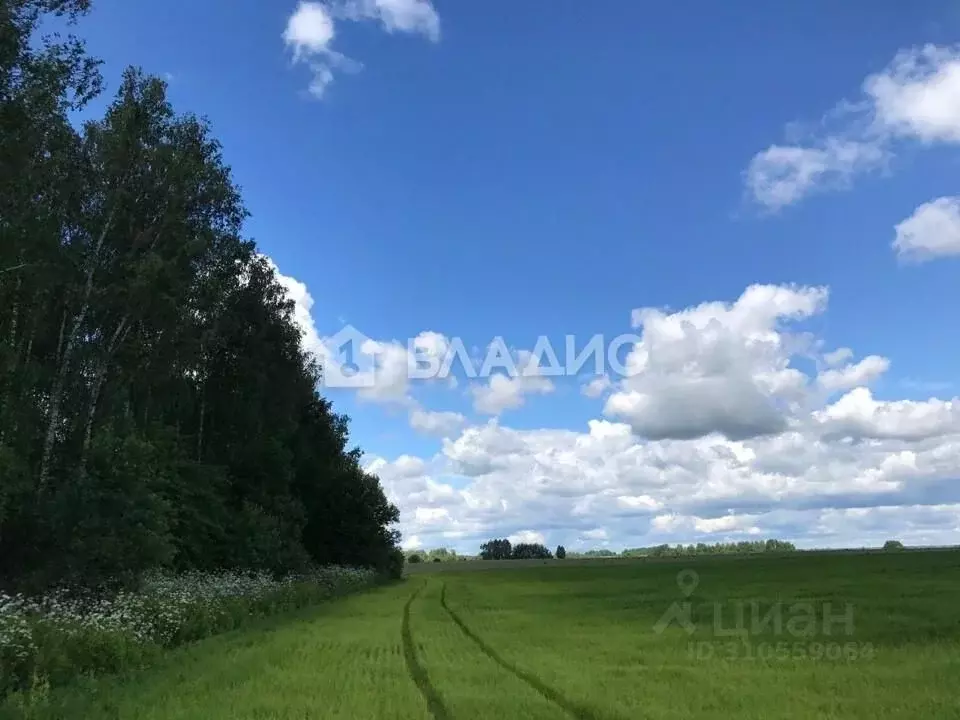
{"x": 869, "y": 636}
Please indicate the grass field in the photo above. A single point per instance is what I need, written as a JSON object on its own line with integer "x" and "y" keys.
{"x": 583, "y": 641}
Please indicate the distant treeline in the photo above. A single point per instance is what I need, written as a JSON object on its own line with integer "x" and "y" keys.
{"x": 745, "y": 547}
{"x": 436, "y": 555}
{"x": 503, "y": 549}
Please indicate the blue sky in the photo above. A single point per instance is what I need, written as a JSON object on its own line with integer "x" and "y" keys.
{"x": 475, "y": 170}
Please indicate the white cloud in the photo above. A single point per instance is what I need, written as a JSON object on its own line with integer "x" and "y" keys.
{"x": 595, "y": 534}
{"x": 311, "y": 30}
{"x": 916, "y": 97}
{"x": 410, "y": 16}
{"x": 717, "y": 367}
{"x": 309, "y": 34}
{"x": 442, "y": 424}
{"x": 495, "y": 481}
{"x": 850, "y": 376}
{"x": 597, "y": 386}
{"x": 409, "y": 466}
{"x": 816, "y": 474}
{"x": 387, "y": 377}
{"x": 933, "y": 230}
{"x": 390, "y": 367}
{"x": 782, "y": 175}
{"x": 726, "y": 524}
{"x": 638, "y": 502}
{"x": 857, "y": 414}
{"x": 430, "y": 516}
{"x": 506, "y": 392}
{"x": 411, "y": 543}
{"x": 526, "y": 536}
{"x": 667, "y": 523}
{"x": 918, "y": 94}
{"x": 840, "y": 355}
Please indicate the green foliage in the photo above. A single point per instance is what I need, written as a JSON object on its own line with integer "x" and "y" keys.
{"x": 109, "y": 523}
{"x": 394, "y": 568}
{"x": 601, "y": 553}
{"x": 745, "y": 547}
{"x": 502, "y": 549}
{"x": 157, "y": 406}
{"x": 62, "y": 636}
{"x": 497, "y": 549}
{"x": 414, "y": 559}
{"x": 530, "y": 551}
{"x": 893, "y": 546}
{"x": 436, "y": 554}
{"x": 561, "y": 552}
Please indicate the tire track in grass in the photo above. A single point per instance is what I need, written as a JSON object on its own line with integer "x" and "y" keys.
{"x": 575, "y": 709}
{"x": 417, "y": 672}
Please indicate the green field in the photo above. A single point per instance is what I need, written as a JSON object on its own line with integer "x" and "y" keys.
{"x": 581, "y": 641}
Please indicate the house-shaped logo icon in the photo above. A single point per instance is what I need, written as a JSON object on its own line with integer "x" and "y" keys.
{"x": 345, "y": 364}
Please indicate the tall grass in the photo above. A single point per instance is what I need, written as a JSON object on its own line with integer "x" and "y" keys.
{"x": 65, "y": 634}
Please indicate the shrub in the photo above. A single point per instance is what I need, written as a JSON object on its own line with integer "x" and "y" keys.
{"x": 415, "y": 559}
{"x": 893, "y": 545}
{"x": 395, "y": 564}
{"x": 67, "y": 633}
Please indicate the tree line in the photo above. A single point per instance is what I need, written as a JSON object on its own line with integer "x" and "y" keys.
{"x": 744, "y": 547}
{"x": 157, "y": 405}
{"x": 502, "y": 549}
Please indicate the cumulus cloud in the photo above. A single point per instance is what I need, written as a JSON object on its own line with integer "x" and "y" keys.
{"x": 507, "y": 391}
{"x": 389, "y": 367}
{"x": 495, "y": 481}
{"x": 526, "y": 536}
{"x": 442, "y": 424}
{"x": 597, "y": 386}
{"x": 726, "y": 524}
{"x": 835, "y": 357}
{"x": 858, "y": 414}
{"x": 850, "y": 376}
{"x": 918, "y": 94}
{"x": 916, "y": 97}
{"x": 386, "y": 369}
{"x": 717, "y": 367}
{"x": 932, "y": 231}
{"x": 311, "y": 30}
{"x": 741, "y": 444}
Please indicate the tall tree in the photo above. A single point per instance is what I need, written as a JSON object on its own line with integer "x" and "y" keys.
{"x": 157, "y": 406}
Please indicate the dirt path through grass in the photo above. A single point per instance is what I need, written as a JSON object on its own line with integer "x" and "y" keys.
{"x": 574, "y": 709}
{"x": 417, "y": 672}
